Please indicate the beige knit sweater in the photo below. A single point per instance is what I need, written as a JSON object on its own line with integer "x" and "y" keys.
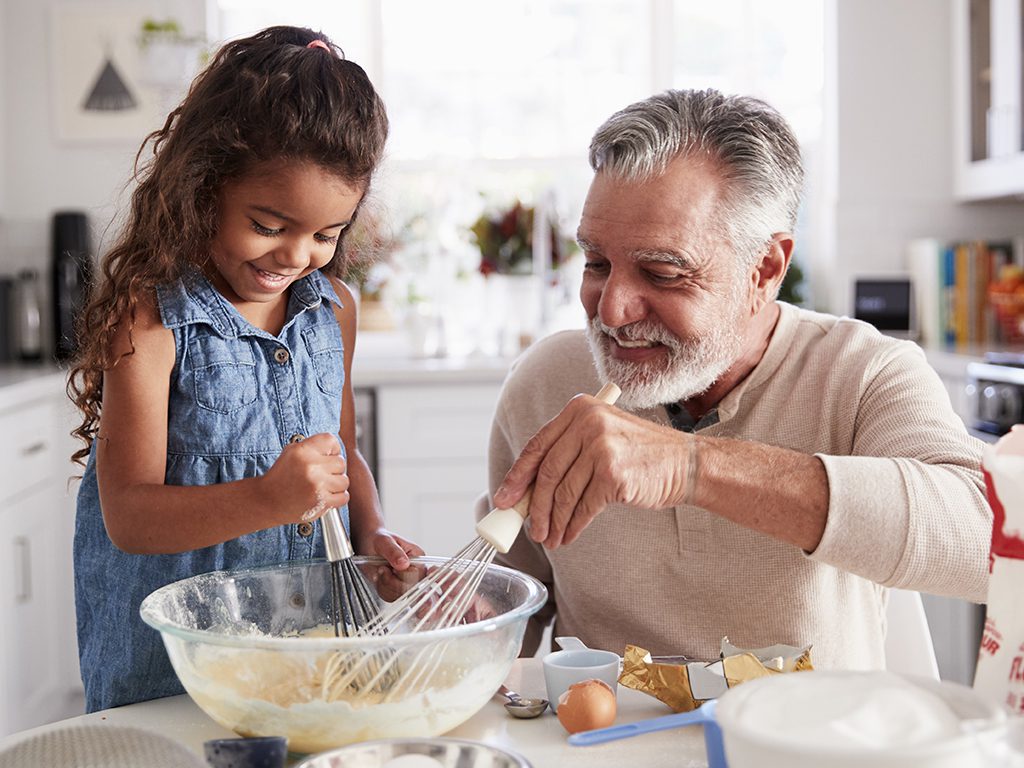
{"x": 906, "y": 505}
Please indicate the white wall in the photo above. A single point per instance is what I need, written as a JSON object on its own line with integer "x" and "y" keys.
{"x": 5, "y": 114}
{"x": 40, "y": 173}
{"x": 894, "y": 75}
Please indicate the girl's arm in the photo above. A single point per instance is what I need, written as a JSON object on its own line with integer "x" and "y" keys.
{"x": 145, "y": 516}
{"x": 369, "y": 536}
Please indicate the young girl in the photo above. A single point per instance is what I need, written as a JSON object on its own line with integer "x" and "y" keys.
{"x": 214, "y": 375}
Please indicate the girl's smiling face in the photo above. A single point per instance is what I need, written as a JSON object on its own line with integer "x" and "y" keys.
{"x": 275, "y": 225}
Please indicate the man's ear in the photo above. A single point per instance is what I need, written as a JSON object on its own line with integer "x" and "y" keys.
{"x": 771, "y": 269}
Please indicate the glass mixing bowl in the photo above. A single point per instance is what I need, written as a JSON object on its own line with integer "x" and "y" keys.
{"x": 256, "y": 650}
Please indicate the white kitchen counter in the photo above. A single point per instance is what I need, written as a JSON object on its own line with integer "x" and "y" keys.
{"x": 951, "y": 362}
{"x": 387, "y": 358}
{"x": 383, "y": 371}
{"x": 20, "y": 383}
{"x": 542, "y": 741}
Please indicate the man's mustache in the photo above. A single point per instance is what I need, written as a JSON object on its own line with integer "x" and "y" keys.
{"x": 640, "y": 331}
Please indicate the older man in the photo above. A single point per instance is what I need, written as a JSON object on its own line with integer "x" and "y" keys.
{"x": 768, "y": 471}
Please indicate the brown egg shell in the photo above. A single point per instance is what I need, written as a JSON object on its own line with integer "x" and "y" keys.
{"x": 587, "y": 705}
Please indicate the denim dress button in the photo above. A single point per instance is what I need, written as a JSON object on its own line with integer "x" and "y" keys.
{"x": 281, "y": 355}
{"x": 296, "y": 438}
{"x": 305, "y": 529}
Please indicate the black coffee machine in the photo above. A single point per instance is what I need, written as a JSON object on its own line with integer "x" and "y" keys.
{"x": 72, "y": 276}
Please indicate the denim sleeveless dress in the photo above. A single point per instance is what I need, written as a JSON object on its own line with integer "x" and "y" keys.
{"x": 238, "y": 395}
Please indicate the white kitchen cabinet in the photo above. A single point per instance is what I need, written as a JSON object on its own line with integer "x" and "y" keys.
{"x": 432, "y": 459}
{"x": 39, "y": 679}
{"x": 987, "y": 50}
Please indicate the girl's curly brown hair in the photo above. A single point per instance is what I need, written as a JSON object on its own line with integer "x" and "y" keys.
{"x": 263, "y": 98}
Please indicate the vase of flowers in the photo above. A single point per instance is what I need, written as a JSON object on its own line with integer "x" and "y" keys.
{"x": 505, "y": 240}
{"x": 515, "y": 279}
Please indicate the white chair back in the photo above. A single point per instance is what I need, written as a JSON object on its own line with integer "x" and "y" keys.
{"x": 908, "y": 641}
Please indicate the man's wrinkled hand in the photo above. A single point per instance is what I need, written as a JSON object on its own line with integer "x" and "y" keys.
{"x": 589, "y": 456}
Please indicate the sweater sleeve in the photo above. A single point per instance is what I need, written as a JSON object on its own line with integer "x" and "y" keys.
{"x": 907, "y": 509}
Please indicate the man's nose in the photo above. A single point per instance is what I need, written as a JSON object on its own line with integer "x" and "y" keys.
{"x": 622, "y": 302}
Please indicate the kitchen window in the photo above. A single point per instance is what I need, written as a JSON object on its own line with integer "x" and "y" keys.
{"x": 490, "y": 100}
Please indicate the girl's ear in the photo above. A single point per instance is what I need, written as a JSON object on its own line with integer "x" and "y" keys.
{"x": 769, "y": 271}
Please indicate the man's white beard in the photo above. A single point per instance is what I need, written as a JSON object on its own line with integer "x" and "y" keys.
{"x": 690, "y": 368}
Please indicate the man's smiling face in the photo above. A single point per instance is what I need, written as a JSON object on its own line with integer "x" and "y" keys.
{"x": 666, "y": 296}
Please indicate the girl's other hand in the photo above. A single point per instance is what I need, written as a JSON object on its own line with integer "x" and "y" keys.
{"x": 400, "y": 574}
{"x": 390, "y": 546}
{"x": 307, "y": 479}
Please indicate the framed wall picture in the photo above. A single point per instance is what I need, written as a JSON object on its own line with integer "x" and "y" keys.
{"x": 101, "y": 89}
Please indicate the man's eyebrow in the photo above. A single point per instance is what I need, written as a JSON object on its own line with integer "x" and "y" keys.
{"x": 586, "y": 245}
{"x": 679, "y": 259}
{"x": 675, "y": 258}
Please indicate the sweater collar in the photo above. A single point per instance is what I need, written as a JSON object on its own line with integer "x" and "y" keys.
{"x": 774, "y": 354}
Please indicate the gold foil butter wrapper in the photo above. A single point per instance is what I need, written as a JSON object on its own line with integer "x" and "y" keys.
{"x": 685, "y": 686}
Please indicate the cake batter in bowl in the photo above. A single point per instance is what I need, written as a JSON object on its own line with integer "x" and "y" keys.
{"x": 253, "y": 648}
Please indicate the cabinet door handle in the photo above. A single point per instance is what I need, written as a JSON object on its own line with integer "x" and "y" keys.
{"x": 23, "y": 569}
{"x": 28, "y": 450}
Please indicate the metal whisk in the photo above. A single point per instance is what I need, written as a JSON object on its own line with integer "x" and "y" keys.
{"x": 443, "y": 597}
{"x": 355, "y": 606}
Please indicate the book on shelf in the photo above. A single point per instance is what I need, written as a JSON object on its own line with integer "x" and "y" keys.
{"x": 968, "y": 292}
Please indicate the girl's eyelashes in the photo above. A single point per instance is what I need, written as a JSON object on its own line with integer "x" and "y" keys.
{"x": 268, "y": 232}
{"x": 265, "y": 231}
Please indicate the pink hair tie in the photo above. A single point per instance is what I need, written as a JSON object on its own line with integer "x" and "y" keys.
{"x": 319, "y": 44}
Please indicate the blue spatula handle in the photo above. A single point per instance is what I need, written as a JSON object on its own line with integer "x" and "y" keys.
{"x": 601, "y": 735}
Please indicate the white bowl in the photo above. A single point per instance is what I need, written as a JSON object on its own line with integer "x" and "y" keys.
{"x": 432, "y": 753}
{"x": 855, "y": 719}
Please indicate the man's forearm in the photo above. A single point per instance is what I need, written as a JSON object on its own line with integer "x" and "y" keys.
{"x": 774, "y": 490}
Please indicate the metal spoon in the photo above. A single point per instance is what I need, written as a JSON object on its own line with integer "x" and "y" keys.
{"x": 521, "y": 707}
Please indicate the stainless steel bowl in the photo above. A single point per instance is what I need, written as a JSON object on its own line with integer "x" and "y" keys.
{"x": 446, "y": 753}
{"x": 252, "y": 648}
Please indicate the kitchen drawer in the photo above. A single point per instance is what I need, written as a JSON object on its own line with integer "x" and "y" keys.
{"x": 430, "y": 422}
{"x": 27, "y": 445}
{"x": 36, "y": 629}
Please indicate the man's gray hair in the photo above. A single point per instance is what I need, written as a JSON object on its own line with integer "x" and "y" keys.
{"x": 751, "y": 144}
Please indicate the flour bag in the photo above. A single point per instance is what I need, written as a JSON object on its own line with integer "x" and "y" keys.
{"x": 1000, "y": 673}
